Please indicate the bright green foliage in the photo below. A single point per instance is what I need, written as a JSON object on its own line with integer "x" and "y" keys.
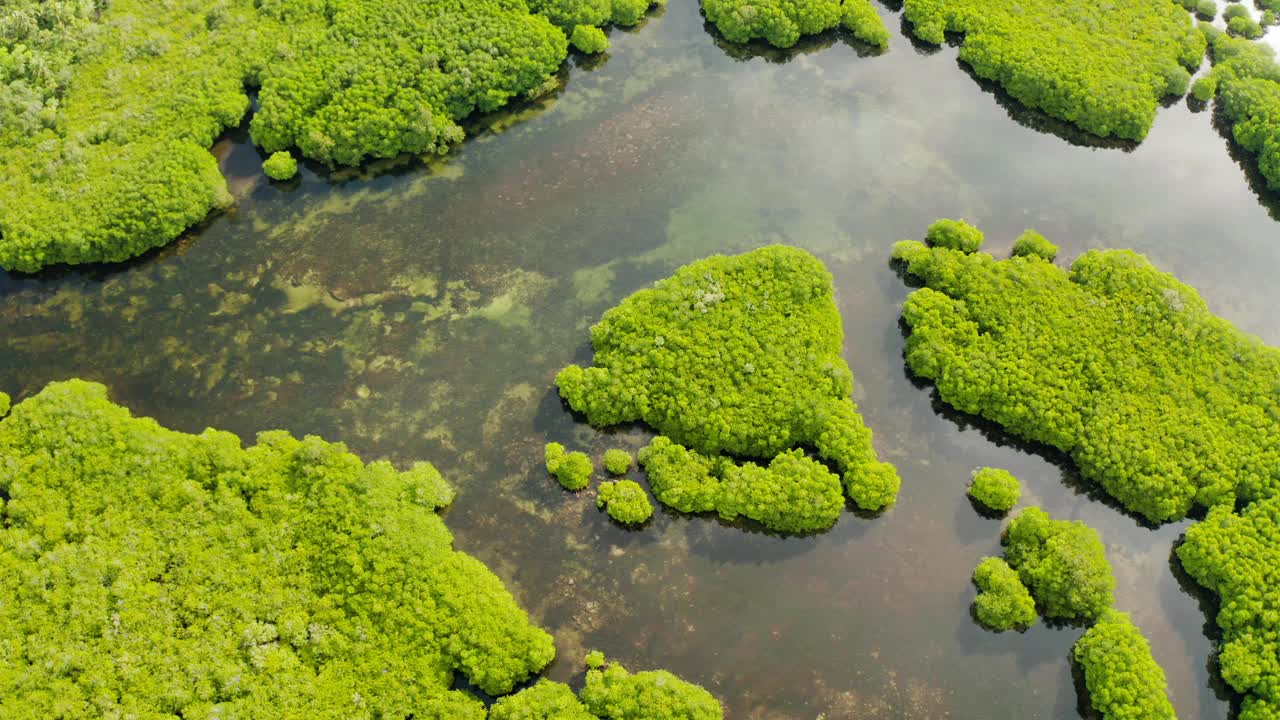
{"x": 1236, "y": 556}
{"x": 1124, "y": 681}
{"x": 793, "y": 494}
{"x": 589, "y": 39}
{"x": 1032, "y": 244}
{"x": 1247, "y": 80}
{"x": 617, "y": 461}
{"x": 547, "y": 700}
{"x": 1269, "y": 18}
{"x": 1206, "y": 9}
{"x": 1114, "y": 362}
{"x": 4, "y": 404}
{"x": 615, "y": 694}
{"x": 1244, "y": 27}
{"x": 1234, "y": 10}
{"x": 954, "y": 234}
{"x": 783, "y": 22}
{"x": 995, "y": 488}
{"x": 572, "y": 469}
{"x": 1004, "y": 603}
{"x": 862, "y": 20}
{"x": 595, "y": 660}
{"x": 107, "y": 109}
{"x": 739, "y": 355}
{"x": 1063, "y": 563}
{"x": 1205, "y": 88}
{"x": 571, "y": 13}
{"x": 152, "y": 574}
{"x": 280, "y": 166}
{"x": 625, "y": 501}
{"x": 1102, "y": 66}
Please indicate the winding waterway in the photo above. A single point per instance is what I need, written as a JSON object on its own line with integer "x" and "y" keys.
{"x": 421, "y": 313}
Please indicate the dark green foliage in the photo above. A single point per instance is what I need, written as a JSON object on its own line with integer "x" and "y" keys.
{"x": 280, "y": 166}
{"x": 615, "y": 694}
{"x": 150, "y": 573}
{"x": 1234, "y": 10}
{"x": 792, "y": 494}
{"x": 571, "y": 469}
{"x": 737, "y": 355}
{"x": 107, "y": 110}
{"x": 589, "y": 39}
{"x": 1032, "y": 244}
{"x": 1114, "y": 362}
{"x": 783, "y": 22}
{"x": 625, "y": 501}
{"x": 1247, "y": 81}
{"x": 1244, "y": 27}
{"x": 954, "y": 234}
{"x": 548, "y": 700}
{"x": 1206, "y": 9}
{"x": 1102, "y": 66}
{"x": 1063, "y": 563}
{"x": 1269, "y": 18}
{"x": 1004, "y": 603}
{"x": 617, "y": 461}
{"x": 995, "y": 488}
{"x": 1236, "y": 556}
{"x": 1124, "y": 681}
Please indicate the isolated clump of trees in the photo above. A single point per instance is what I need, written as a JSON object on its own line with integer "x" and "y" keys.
{"x": 107, "y": 110}
{"x": 1102, "y": 67}
{"x": 737, "y": 356}
{"x": 1160, "y": 402}
{"x": 783, "y": 22}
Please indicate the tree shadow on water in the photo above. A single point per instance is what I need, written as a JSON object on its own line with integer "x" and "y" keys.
{"x": 1248, "y": 163}
{"x": 806, "y": 45}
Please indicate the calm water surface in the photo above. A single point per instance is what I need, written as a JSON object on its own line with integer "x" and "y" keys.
{"x": 422, "y": 312}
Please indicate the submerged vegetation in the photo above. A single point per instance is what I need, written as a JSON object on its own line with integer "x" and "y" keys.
{"x": 783, "y": 22}
{"x": 1124, "y": 681}
{"x": 1103, "y": 67}
{"x": 996, "y": 489}
{"x": 1163, "y": 404}
{"x": 1063, "y": 563}
{"x": 108, "y": 110}
{"x": 1235, "y": 556}
{"x": 1003, "y": 602}
{"x": 287, "y": 575}
{"x": 1246, "y": 81}
{"x": 737, "y": 355}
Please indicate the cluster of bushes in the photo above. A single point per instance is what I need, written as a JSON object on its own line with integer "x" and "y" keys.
{"x": 1162, "y": 403}
{"x": 783, "y": 22}
{"x": 736, "y": 355}
{"x": 1103, "y": 67}
{"x": 1240, "y": 22}
{"x": 1124, "y": 681}
{"x": 571, "y": 469}
{"x": 792, "y": 494}
{"x": 612, "y": 693}
{"x": 1003, "y": 602}
{"x": 625, "y": 501}
{"x": 107, "y": 110}
{"x": 1063, "y": 563}
{"x": 1236, "y": 555}
{"x": 996, "y": 489}
{"x": 1246, "y": 81}
{"x": 151, "y": 573}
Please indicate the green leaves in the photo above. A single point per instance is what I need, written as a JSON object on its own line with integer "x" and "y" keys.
{"x": 1004, "y": 602}
{"x": 615, "y": 694}
{"x": 572, "y": 469}
{"x": 1103, "y": 67}
{"x": 1124, "y": 681}
{"x": 782, "y": 24}
{"x": 280, "y": 166}
{"x": 1246, "y": 79}
{"x": 288, "y": 576}
{"x": 737, "y": 355}
{"x": 1063, "y": 563}
{"x": 1118, "y": 364}
{"x": 625, "y": 501}
{"x": 996, "y": 489}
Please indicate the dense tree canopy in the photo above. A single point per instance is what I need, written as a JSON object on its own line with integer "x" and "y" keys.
{"x": 615, "y": 694}
{"x": 150, "y": 573}
{"x": 1246, "y": 80}
{"x": 996, "y": 489}
{"x": 617, "y": 461}
{"x": 1237, "y": 556}
{"x": 107, "y": 110}
{"x": 1101, "y": 66}
{"x": 737, "y": 355}
{"x": 571, "y": 469}
{"x": 1124, "y": 681}
{"x": 625, "y": 501}
{"x": 783, "y": 22}
{"x": 1063, "y": 563}
{"x": 1162, "y": 403}
{"x": 1003, "y": 602}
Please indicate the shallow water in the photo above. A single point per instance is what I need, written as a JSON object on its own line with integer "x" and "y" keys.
{"x": 423, "y": 312}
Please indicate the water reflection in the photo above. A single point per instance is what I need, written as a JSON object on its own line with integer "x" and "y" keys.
{"x": 423, "y": 311}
